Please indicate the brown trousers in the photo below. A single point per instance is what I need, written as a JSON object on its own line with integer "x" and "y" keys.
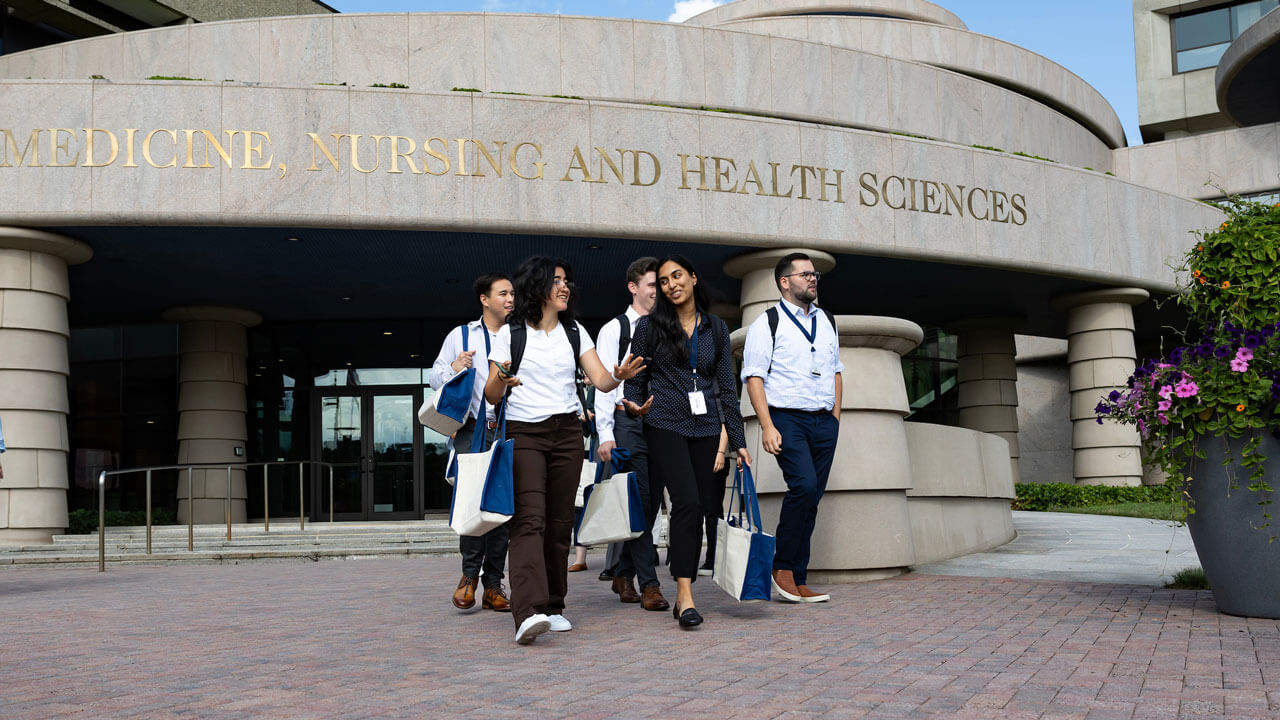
{"x": 548, "y": 462}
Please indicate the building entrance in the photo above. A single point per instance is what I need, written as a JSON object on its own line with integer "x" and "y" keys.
{"x": 380, "y": 455}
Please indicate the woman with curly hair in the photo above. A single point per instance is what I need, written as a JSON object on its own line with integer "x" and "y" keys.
{"x": 535, "y": 357}
{"x": 690, "y": 387}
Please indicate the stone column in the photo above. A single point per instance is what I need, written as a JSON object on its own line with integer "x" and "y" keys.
{"x": 34, "y": 291}
{"x": 759, "y": 290}
{"x": 987, "y": 391}
{"x": 864, "y": 527}
{"x": 213, "y": 346}
{"x": 1101, "y": 356}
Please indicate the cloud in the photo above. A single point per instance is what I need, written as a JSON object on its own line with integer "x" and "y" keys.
{"x": 686, "y": 9}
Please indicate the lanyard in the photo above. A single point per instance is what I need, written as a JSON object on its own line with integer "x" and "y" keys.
{"x": 693, "y": 349}
{"x": 812, "y": 335}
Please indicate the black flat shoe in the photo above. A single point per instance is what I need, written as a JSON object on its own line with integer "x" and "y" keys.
{"x": 688, "y": 619}
{"x": 605, "y": 575}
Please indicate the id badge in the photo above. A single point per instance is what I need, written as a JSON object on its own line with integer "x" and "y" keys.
{"x": 814, "y": 368}
{"x": 697, "y": 403}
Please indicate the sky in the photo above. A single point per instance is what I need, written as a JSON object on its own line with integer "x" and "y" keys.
{"x": 1091, "y": 38}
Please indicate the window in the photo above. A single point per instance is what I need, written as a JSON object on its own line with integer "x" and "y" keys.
{"x": 1200, "y": 38}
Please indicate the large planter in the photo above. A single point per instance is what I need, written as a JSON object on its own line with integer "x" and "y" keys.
{"x": 1240, "y": 562}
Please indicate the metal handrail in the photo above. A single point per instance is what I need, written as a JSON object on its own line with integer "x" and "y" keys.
{"x": 191, "y": 527}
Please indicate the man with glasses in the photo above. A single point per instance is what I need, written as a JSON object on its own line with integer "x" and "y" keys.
{"x": 791, "y": 367}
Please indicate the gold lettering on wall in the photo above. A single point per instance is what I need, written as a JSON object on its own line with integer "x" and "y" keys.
{"x": 54, "y": 149}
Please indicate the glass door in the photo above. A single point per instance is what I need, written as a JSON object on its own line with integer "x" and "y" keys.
{"x": 370, "y": 435}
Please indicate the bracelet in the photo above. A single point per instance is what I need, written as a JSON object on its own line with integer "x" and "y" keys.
{"x": 719, "y": 452}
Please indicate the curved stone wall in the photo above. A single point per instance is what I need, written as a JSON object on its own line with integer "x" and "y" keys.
{"x": 961, "y": 486}
{"x": 594, "y": 58}
{"x": 282, "y": 156}
{"x": 959, "y": 50}
{"x": 918, "y": 10}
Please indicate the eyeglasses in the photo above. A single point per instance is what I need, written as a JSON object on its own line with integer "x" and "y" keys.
{"x": 807, "y": 275}
{"x": 561, "y": 282}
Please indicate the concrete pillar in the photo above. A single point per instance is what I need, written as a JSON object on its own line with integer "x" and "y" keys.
{"x": 34, "y": 291}
{"x": 864, "y": 527}
{"x": 1101, "y": 356}
{"x": 213, "y": 346}
{"x": 759, "y": 290}
{"x": 987, "y": 377}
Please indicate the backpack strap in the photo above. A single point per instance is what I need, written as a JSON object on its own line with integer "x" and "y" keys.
{"x": 624, "y": 336}
{"x": 772, "y": 314}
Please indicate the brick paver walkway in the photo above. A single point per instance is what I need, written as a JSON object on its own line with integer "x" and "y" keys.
{"x": 366, "y": 638}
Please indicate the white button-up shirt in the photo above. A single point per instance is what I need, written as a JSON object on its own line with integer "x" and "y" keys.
{"x": 442, "y": 372}
{"x": 607, "y": 349}
{"x": 547, "y": 372}
{"x": 791, "y": 383}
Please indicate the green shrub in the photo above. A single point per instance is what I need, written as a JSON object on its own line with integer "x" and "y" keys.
{"x": 1189, "y": 579}
{"x": 84, "y": 522}
{"x": 1040, "y": 497}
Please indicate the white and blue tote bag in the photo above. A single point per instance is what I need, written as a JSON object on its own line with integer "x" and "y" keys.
{"x": 744, "y": 552}
{"x": 446, "y": 411}
{"x": 484, "y": 490}
{"x": 612, "y": 510}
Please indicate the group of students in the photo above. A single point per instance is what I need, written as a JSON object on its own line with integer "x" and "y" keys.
{"x": 666, "y": 392}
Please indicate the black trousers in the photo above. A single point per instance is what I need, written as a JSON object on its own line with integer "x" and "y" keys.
{"x": 486, "y": 552}
{"x": 713, "y": 512}
{"x": 684, "y": 466}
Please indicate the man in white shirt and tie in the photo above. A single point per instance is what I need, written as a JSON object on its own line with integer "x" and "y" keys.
{"x": 618, "y": 429}
{"x": 487, "y": 552}
{"x": 791, "y": 367}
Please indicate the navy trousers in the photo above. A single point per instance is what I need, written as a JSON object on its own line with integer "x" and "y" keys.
{"x": 808, "y": 447}
{"x": 638, "y": 555}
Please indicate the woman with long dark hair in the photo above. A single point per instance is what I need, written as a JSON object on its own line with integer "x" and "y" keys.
{"x": 691, "y": 393}
{"x": 536, "y": 356}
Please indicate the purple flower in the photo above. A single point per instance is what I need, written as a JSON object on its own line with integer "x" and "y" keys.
{"x": 1175, "y": 377}
{"x": 1175, "y": 355}
{"x": 1102, "y": 409}
{"x": 1222, "y": 352}
{"x": 1099, "y": 421}
{"x": 1253, "y": 339}
{"x": 1114, "y": 395}
{"x": 1186, "y": 389}
{"x": 1204, "y": 350}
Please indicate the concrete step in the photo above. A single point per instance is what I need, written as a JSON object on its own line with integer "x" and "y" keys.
{"x": 249, "y": 541}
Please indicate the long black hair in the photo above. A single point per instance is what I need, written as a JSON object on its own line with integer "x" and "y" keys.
{"x": 533, "y": 282}
{"x": 669, "y": 340}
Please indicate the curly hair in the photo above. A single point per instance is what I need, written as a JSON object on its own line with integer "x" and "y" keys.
{"x": 669, "y": 339}
{"x": 533, "y": 283}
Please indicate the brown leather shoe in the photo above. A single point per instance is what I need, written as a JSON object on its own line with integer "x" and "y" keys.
{"x": 495, "y": 598}
{"x": 809, "y": 596}
{"x": 577, "y": 567}
{"x": 625, "y": 588}
{"x": 464, "y": 598}
{"x": 784, "y": 583}
{"x": 651, "y": 599}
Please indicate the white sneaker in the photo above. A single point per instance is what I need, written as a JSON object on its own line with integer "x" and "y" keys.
{"x": 532, "y": 627}
{"x": 705, "y": 571}
{"x": 560, "y": 623}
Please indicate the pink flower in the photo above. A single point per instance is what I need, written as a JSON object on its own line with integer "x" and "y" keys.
{"x": 1239, "y": 365}
{"x": 1163, "y": 365}
{"x": 1164, "y": 405}
{"x": 1164, "y": 419}
{"x": 1166, "y": 391}
{"x": 1244, "y": 354}
{"x": 1186, "y": 389}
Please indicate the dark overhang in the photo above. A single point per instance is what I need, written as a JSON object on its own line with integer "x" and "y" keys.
{"x": 1246, "y": 81}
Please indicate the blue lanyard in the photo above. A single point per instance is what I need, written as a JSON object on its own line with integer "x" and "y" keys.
{"x": 812, "y": 335}
{"x": 693, "y": 349}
